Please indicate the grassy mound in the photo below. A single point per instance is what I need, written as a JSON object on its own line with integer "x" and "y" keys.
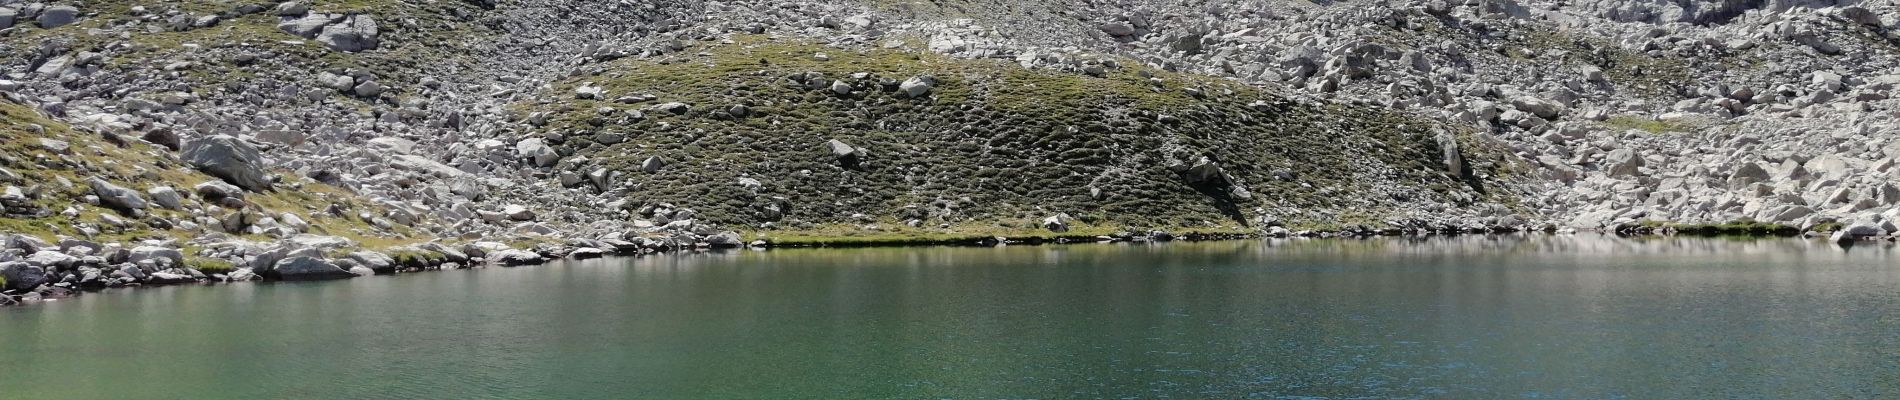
{"x": 993, "y": 146}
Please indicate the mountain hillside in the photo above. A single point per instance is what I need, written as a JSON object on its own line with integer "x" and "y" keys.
{"x": 437, "y": 131}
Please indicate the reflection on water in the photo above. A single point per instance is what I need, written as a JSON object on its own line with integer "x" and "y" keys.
{"x": 1465, "y": 317}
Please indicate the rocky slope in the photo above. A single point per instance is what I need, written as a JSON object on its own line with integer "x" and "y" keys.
{"x": 402, "y": 134}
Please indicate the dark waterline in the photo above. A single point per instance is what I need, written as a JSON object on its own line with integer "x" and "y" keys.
{"x": 1472, "y": 317}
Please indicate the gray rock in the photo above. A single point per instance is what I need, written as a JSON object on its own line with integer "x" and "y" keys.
{"x": 242, "y": 275}
{"x": 1118, "y": 29}
{"x": 307, "y": 26}
{"x": 214, "y": 190}
{"x": 143, "y": 253}
{"x": 352, "y": 34}
{"x": 292, "y": 8}
{"x": 8, "y": 17}
{"x": 229, "y": 159}
{"x": 1056, "y": 223}
{"x": 841, "y": 150}
{"x": 308, "y": 268}
{"x": 653, "y": 164}
{"x": 22, "y": 276}
{"x": 917, "y": 86}
{"x": 368, "y": 89}
{"x": 518, "y": 212}
{"x": 1622, "y": 162}
{"x": 537, "y": 152}
{"x": 58, "y": 16}
{"x": 586, "y": 253}
{"x": 1857, "y": 231}
{"x": 512, "y": 257}
{"x": 115, "y": 196}
{"x": 166, "y": 197}
{"x": 724, "y": 240}
{"x": 1545, "y": 109}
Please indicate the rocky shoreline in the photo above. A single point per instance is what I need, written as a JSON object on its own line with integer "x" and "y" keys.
{"x": 37, "y": 271}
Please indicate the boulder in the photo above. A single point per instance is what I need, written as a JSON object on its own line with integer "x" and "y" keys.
{"x": 22, "y": 276}
{"x": 1857, "y": 232}
{"x": 229, "y": 159}
{"x": 166, "y": 197}
{"x": 653, "y": 164}
{"x": 1118, "y": 29}
{"x": 143, "y": 253}
{"x": 292, "y": 8}
{"x": 537, "y": 152}
{"x": 842, "y": 151}
{"x": 1542, "y": 108}
{"x": 586, "y": 253}
{"x": 307, "y": 268}
{"x": 115, "y": 196}
{"x": 58, "y": 16}
{"x": 917, "y": 86}
{"x": 215, "y": 190}
{"x": 1622, "y": 162}
{"x": 512, "y": 257}
{"x": 518, "y": 212}
{"x": 1056, "y": 223}
{"x": 352, "y": 34}
{"x": 307, "y": 26}
{"x": 724, "y": 240}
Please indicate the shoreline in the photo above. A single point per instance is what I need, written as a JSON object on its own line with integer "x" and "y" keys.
{"x": 405, "y": 261}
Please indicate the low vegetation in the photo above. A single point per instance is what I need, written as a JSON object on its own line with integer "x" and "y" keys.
{"x": 992, "y": 142}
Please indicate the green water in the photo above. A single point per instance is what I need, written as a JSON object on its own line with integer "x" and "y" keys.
{"x": 1471, "y": 318}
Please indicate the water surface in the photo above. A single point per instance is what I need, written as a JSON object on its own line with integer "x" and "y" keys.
{"x": 1494, "y": 317}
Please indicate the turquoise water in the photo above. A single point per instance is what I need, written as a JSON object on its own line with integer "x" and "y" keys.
{"x": 1539, "y": 317}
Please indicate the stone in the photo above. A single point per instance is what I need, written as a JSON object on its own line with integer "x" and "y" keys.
{"x": 653, "y": 164}
{"x": 1858, "y": 231}
{"x": 216, "y": 190}
{"x": 590, "y": 92}
{"x": 115, "y": 196}
{"x": 842, "y": 150}
{"x": 840, "y": 88}
{"x": 292, "y": 8}
{"x": 368, "y": 89}
{"x": 143, "y": 253}
{"x": 352, "y": 34}
{"x": 8, "y": 17}
{"x": 724, "y": 240}
{"x": 586, "y": 253}
{"x": 21, "y": 276}
{"x": 58, "y": 16}
{"x": 1118, "y": 29}
{"x": 1746, "y": 174}
{"x": 512, "y": 257}
{"x": 166, "y": 197}
{"x": 675, "y": 108}
{"x": 307, "y": 26}
{"x": 518, "y": 212}
{"x": 1542, "y": 108}
{"x": 537, "y": 151}
{"x": 1056, "y": 223}
{"x": 300, "y": 268}
{"x": 917, "y": 86}
{"x": 242, "y": 275}
{"x": 229, "y": 159}
{"x": 1622, "y": 162}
